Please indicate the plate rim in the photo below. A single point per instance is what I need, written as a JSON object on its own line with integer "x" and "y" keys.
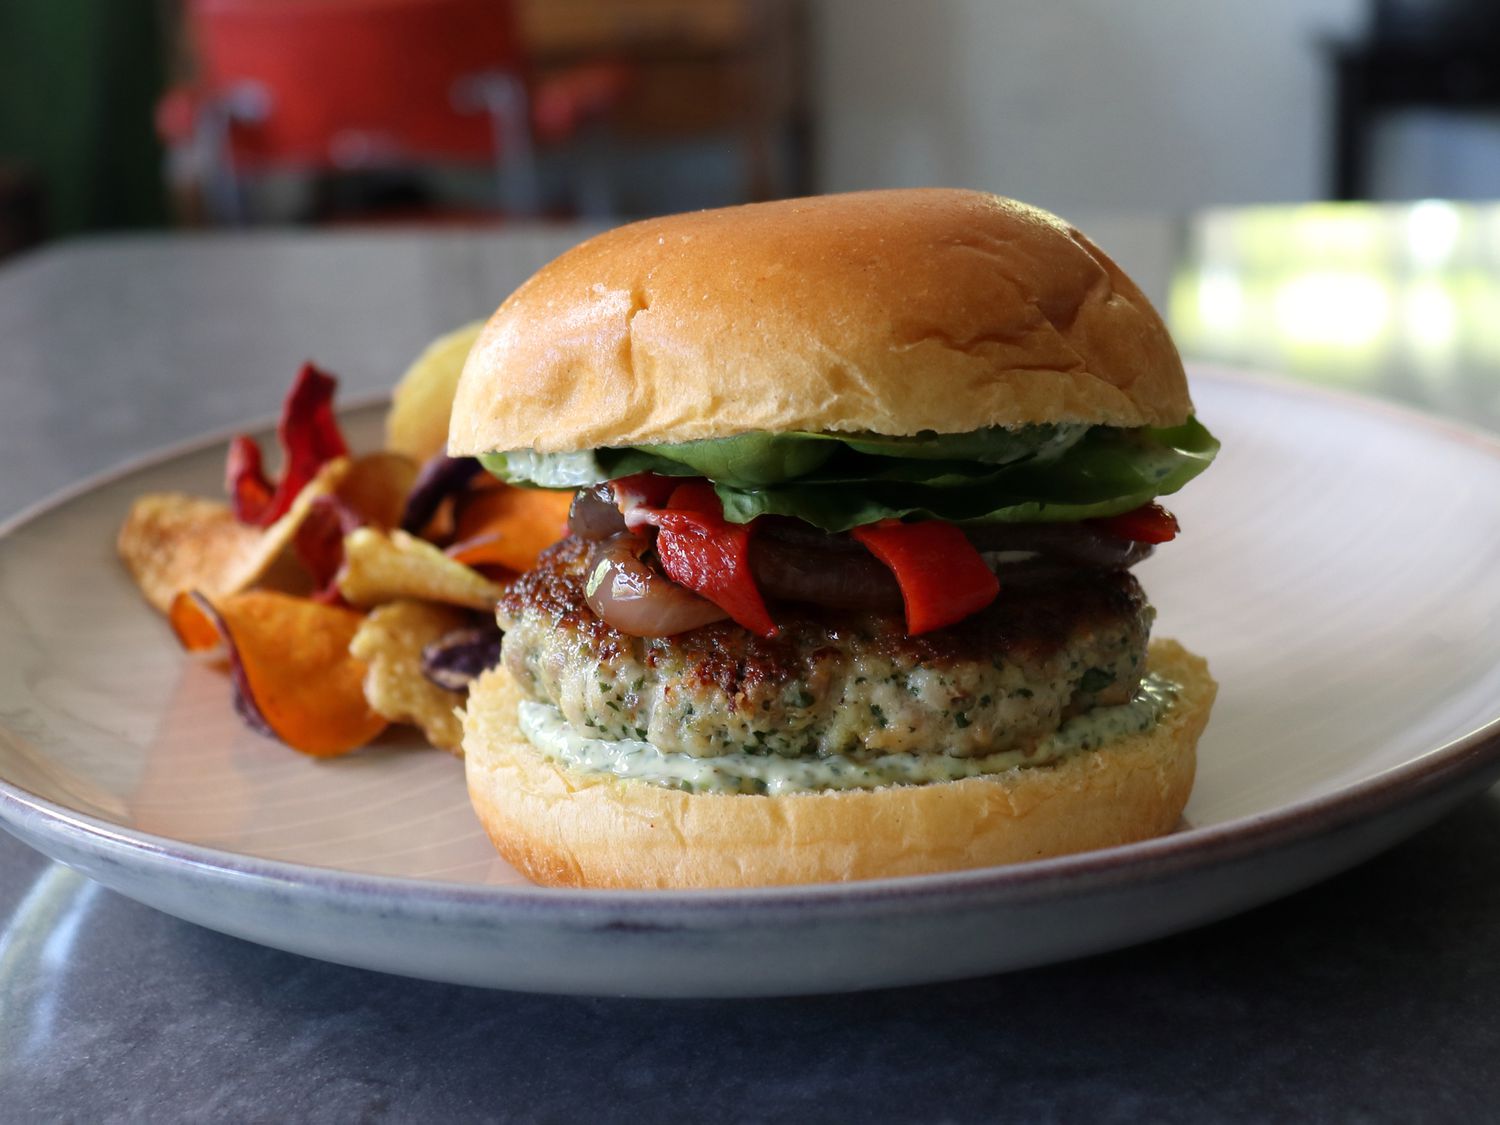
{"x": 1431, "y": 772}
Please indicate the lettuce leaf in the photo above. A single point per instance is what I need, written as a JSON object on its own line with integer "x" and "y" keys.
{"x": 766, "y": 460}
{"x": 748, "y": 460}
{"x": 1109, "y": 471}
{"x": 838, "y": 481}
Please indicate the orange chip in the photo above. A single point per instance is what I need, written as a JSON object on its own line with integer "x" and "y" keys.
{"x": 508, "y": 526}
{"x": 294, "y": 677}
{"x": 196, "y": 630}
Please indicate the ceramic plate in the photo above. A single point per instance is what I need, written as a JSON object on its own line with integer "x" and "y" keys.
{"x": 1339, "y": 566}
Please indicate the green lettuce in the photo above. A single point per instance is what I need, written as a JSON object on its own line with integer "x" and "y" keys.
{"x": 764, "y": 460}
{"x": 834, "y": 481}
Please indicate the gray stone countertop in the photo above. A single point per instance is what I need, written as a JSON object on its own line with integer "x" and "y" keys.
{"x": 1373, "y": 996}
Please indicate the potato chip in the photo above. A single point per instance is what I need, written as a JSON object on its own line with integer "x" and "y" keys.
{"x": 376, "y": 487}
{"x": 172, "y": 542}
{"x": 508, "y": 526}
{"x": 422, "y": 401}
{"x": 390, "y": 642}
{"x": 294, "y": 676}
{"x": 380, "y": 567}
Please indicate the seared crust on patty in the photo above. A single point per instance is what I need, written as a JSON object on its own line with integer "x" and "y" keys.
{"x": 843, "y": 683}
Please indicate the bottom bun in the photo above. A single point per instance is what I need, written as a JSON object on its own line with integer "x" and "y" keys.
{"x": 562, "y": 827}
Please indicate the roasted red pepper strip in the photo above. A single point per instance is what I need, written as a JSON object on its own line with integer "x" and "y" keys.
{"x": 703, "y": 551}
{"x": 942, "y": 577}
{"x": 647, "y": 491}
{"x": 1150, "y": 523}
{"x": 309, "y": 436}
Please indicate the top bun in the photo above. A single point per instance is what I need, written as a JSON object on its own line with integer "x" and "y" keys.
{"x": 892, "y": 312}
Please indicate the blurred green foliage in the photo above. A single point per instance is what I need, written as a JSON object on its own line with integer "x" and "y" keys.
{"x": 79, "y": 81}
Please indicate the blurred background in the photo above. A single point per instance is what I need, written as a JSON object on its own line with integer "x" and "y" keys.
{"x": 143, "y": 113}
{"x": 1269, "y": 133}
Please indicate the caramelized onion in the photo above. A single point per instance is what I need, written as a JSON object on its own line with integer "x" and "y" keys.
{"x": 594, "y": 514}
{"x": 795, "y": 562}
{"x": 822, "y": 575}
{"x": 632, "y": 597}
{"x": 1076, "y": 544}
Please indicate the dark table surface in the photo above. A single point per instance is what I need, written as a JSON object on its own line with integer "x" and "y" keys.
{"x": 1373, "y": 996}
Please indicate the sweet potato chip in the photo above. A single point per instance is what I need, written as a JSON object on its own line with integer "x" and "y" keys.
{"x": 172, "y": 542}
{"x": 390, "y": 642}
{"x": 195, "y": 629}
{"x": 508, "y": 526}
{"x": 380, "y": 567}
{"x": 418, "y": 422}
{"x": 294, "y": 676}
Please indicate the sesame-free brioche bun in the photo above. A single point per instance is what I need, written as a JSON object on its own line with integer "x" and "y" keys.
{"x": 891, "y": 312}
{"x": 561, "y": 827}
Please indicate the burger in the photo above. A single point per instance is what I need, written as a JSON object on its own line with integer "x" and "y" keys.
{"x": 860, "y": 480}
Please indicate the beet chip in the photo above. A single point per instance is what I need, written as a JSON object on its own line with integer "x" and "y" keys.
{"x": 294, "y": 678}
{"x": 309, "y": 436}
{"x": 372, "y": 493}
{"x": 441, "y": 476}
{"x": 320, "y": 542}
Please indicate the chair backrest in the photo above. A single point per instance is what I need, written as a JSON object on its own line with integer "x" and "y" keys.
{"x": 352, "y": 83}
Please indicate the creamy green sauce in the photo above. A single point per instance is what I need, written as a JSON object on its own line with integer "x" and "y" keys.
{"x": 771, "y": 774}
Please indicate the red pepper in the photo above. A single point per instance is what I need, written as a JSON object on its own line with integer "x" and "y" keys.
{"x": 942, "y": 577}
{"x": 309, "y": 436}
{"x": 642, "y": 491}
{"x": 1150, "y": 523}
{"x": 703, "y": 551}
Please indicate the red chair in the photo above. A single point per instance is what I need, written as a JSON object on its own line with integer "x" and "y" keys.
{"x": 348, "y": 85}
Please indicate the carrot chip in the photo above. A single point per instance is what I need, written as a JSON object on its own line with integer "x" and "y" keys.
{"x": 508, "y": 526}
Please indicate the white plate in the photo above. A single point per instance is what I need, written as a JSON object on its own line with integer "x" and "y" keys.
{"x": 1339, "y": 566}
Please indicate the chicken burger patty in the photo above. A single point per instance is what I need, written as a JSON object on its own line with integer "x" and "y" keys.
{"x": 830, "y": 683}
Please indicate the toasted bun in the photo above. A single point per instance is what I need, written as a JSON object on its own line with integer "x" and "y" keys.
{"x": 563, "y": 828}
{"x": 889, "y": 311}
